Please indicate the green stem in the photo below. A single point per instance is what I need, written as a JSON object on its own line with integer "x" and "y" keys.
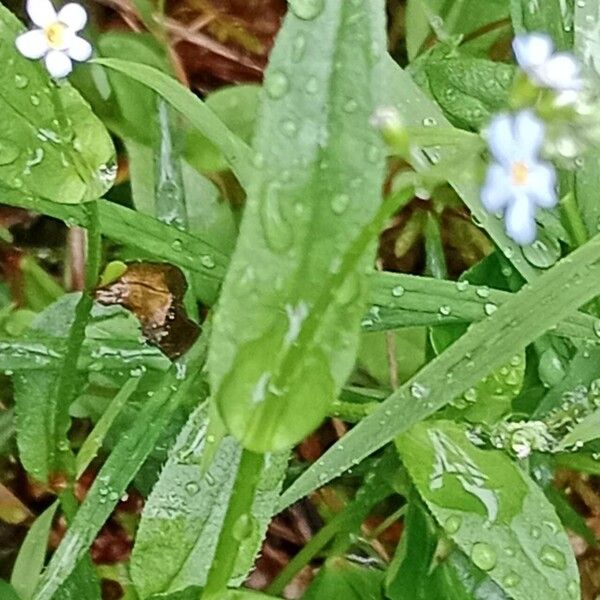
{"x": 67, "y": 382}
{"x": 310, "y": 550}
{"x": 240, "y": 506}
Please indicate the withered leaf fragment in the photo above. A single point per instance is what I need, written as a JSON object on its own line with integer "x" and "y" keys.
{"x": 154, "y": 293}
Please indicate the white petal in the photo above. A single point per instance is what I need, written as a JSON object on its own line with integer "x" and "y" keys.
{"x": 496, "y": 191}
{"x": 32, "y": 44}
{"x": 520, "y": 220}
{"x": 59, "y": 65}
{"x": 501, "y": 139}
{"x": 541, "y": 185}
{"x": 73, "y": 15}
{"x": 79, "y": 49}
{"x": 532, "y": 49}
{"x": 529, "y": 135}
{"x": 41, "y": 12}
{"x": 561, "y": 72}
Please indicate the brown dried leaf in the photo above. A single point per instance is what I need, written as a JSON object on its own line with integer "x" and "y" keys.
{"x": 154, "y": 293}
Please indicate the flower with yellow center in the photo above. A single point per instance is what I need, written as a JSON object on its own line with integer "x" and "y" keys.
{"x": 518, "y": 181}
{"x": 56, "y": 40}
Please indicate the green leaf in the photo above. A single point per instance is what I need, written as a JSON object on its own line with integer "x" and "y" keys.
{"x": 486, "y": 346}
{"x": 469, "y": 90}
{"x": 51, "y": 145}
{"x": 35, "y": 413}
{"x": 297, "y": 267}
{"x": 117, "y": 472}
{"x": 492, "y": 510}
{"x": 235, "y": 151}
{"x": 177, "y": 535}
{"x": 7, "y": 591}
{"x": 552, "y": 16}
{"x": 339, "y": 578}
{"x": 144, "y": 232}
{"x": 587, "y": 49}
{"x": 30, "y": 560}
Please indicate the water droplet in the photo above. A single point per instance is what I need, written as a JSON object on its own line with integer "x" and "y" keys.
{"x": 9, "y": 152}
{"x": 307, "y": 9}
{"x": 452, "y": 524}
{"x": 192, "y": 488}
{"x": 351, "y": 106}
{"x": 483, "y": 291}
{"x": 462, "y": 286}
{"x": 177, "y": 245}
{"x": 484, "y": 556}
{"x": 553, "y": 557}
{"x": 419, "y": 391}
{"x": 340, "y": 203}
{"x": 298, "y": 47}
{"x": 512, "y": 579}
{"x": 536, "y": 532}
{"x": 278, "y": 231}
{"x": 470, "y": 395}
{"x": 445, "y": 310}
{"x": 573, "y": 589}
{"x": 34, "y": 99}
{"x": 21, "y": 81}
{"x": 429, "y": 122}
{"x": 289, "y": 128}
{"x": 207, "y": 261}
{"x": 311, "y": 85}
{"x": 398, "y": 291}
{"x": 277, "y": 84}
{"x": 490, "y": 308}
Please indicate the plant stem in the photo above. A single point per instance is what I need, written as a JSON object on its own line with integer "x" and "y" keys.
{"x": 310, "y": 550}
{"x": 239, "y": 508}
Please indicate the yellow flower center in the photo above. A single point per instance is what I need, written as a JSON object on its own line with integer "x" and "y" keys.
{"x": 55, "y": 34}
{"x": 520, "y": 173}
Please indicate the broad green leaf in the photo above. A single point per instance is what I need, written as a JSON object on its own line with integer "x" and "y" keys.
{"x": 469, "y": 90}
{"x": 30, "y": 560}
{"x": 492, "y": 510}
{"x": 486, "y": 346}
{"x": 298, "y": 268}
{"x": 587, "y": 177}
{"x": 235, "y": 151}
{"x": 121, "y": 466}
{"x": 176, "y": 538}
{"x": 51, "y": 145}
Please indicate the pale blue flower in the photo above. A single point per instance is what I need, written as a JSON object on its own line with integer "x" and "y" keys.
{"x": 559, "y": 71}
{"x": 518, "y": 181}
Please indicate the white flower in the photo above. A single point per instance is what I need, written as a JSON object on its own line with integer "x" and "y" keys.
{"x": 518, "y": 181}
{"x": 559, "y": 71}
{"x": 56, "y": 40}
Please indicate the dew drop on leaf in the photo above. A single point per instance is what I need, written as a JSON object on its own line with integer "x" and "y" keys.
{"x": 452, "y": 524}
{"x": 277, "y": 85}
{"x": 553, "y": 557}
{"x": 21, "y": 81}
{"x": 9, "y": 152}
{"x": 340, "y": 203}
{"x": 511, "y": 580}
{"x": 307, "y": 9}
{"x": 484, "y": 556}
{"x": 490, "y": 308}
{"x": 398, "y": 291}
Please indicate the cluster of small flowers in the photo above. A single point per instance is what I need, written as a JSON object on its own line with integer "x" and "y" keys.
{"x": 55, "y": 39}
{"x": 519, "y": 181}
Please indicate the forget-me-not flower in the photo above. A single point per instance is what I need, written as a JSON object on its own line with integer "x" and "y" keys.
{"x": 56, "y": 40}
{"x": 559, "y": 71}
{"x": 518, "y": 181}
